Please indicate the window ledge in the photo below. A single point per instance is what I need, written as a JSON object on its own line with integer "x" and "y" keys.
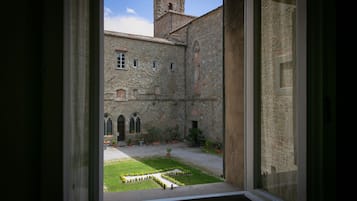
{"x": 237, "y": 195}
{"x": 176, "y": 194}
{"x": 124, "y": 69}
{"x": 120, "y": 100}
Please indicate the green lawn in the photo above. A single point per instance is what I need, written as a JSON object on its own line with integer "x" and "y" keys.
{"x": 113, "y": 170}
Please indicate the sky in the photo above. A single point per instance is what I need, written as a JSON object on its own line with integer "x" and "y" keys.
{"x": 136, "y": 16}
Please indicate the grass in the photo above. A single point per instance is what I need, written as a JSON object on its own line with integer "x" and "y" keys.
{"x": 212, "y": 151}
{"x": 113, "y": 170}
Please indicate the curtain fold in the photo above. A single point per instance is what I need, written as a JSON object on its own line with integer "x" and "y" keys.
{"x": 77, "y": 100}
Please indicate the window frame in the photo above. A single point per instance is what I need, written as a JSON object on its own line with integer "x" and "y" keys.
{"x": 97, "y": 86}
{"x": 120, "y": 60}
{"x": 252, "y": 91}
{"x": 132, "y": 125}
{"x": 109, "y": 122}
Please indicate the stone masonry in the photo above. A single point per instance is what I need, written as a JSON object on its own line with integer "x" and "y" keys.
{"x": 170, "y": 81}
{"x": 155, "y": 94}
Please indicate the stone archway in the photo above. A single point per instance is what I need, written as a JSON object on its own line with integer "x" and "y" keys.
{"x": 121, "y": 128}
{"x": 109, "y": 127}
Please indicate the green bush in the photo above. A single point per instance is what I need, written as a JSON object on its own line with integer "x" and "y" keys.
{"x": 195, "y": 137}
{"x": 208, "y": 145}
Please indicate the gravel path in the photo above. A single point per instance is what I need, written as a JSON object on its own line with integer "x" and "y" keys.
{"x": 194, "y": 156}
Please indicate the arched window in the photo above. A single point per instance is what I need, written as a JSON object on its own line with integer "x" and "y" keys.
{"x": 109, "y": 127}
{"x": 138, "y": 125}
{"x": 132, "y": 125}
{"x": 170, "y": 6}
{"x": 105, "y": 128}
{"x": 121, "y": 128}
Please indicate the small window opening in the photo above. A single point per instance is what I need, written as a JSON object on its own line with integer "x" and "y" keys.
{"x": 132, "y": 125}
{"x": 136, "y": 63}
{"x": 109, "y": 127}
{"x": 154, "y": 65}
{"x": 120, "y": 60}
{"x": 170, "y": 6}
{"x": 138, "y": 125}
{"x": 172, "y": 67}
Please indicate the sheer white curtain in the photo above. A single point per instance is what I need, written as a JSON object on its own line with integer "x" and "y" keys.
{"x": 82, "y": 105}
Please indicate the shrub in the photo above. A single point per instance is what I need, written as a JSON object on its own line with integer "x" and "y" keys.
{"x": 195, "y": 137}
{"x": 168, "y": 150}
{"x": 208, "y": 145}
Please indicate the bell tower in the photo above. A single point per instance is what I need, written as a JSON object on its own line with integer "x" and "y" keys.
{"x": 163, "y": 6}
{"x": 163, "y": 11}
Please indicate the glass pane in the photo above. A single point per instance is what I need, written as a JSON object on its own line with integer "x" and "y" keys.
{"x": 278, "y": 168}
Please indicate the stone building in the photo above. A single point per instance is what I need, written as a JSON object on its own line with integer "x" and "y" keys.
{"x": 173, "y": 79}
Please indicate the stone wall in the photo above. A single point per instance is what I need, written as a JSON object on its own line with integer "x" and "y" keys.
{"x": 185, "y": 86}
{"x": 179, "y": 35}
{"x": 169, "y": 22}
{"x": 204, "y": 76}
{"x": 155, "y": 94}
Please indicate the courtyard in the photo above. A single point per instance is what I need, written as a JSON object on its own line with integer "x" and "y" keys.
{"x": 123, "y": 162}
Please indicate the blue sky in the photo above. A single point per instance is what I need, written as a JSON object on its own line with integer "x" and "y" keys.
{"x": 136, "y": 16}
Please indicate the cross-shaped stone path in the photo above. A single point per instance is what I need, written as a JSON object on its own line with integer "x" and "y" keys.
{"x": 158, "y": 176}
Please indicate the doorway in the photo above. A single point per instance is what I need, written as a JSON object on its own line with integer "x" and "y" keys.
{"x": 121, "y": 128}
{"x": 194, "y": 124}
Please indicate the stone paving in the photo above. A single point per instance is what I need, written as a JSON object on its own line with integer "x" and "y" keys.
{"x": 194, "y": 156}
{"x": 158, "y": 176}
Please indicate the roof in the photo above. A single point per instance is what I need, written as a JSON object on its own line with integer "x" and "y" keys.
{"x": 142, "y": 38}
{"x": 197, "y": 18}
{"x": 177, "y": 13}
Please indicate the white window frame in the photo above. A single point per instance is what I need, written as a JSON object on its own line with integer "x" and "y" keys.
{"x": 120, "y": 58}
{"x": 300, "y": 99}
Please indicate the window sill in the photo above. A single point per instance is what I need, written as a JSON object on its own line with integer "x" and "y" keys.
{"x": 124, "y": 69}
{"x": 237, "y": 196}
{"x": 120, "y": 100}
{"x": 182, "y": 193}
